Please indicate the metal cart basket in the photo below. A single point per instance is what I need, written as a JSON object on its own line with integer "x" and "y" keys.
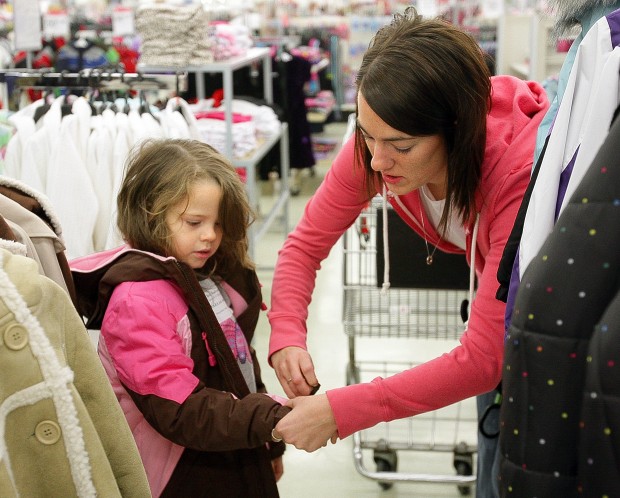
{"x": 425, "y": 304}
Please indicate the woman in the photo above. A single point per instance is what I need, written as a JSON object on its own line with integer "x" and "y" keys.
{"x": 433, "y": 130}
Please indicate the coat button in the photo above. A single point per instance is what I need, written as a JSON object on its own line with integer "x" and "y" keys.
{"x": 47, "y": 432}
{"x": 15, "y": 337}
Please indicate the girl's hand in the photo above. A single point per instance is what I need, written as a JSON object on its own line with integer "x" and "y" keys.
{"x": 277, "y": 465}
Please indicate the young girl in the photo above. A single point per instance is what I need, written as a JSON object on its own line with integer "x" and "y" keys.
{"x": 177, "y": 307}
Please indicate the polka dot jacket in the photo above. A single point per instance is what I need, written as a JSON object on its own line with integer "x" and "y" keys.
{"x": 560, "y": 415}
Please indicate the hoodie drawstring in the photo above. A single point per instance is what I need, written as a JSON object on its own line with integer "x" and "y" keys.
{"x": 472, "y": 264}
{"x": 386, "y": 247}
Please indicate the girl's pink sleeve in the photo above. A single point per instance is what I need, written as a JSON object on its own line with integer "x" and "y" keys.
{"x": 140, "y": 333}
{"x": 329, "y": 212}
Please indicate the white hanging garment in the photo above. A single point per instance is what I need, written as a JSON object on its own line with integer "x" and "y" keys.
{"x": 580, "y": 127}
{"x": 71, "y": 191}
{"x": 38, "y": 148}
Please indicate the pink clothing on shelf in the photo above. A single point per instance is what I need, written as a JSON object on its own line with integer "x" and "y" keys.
{"x": 236, "y": 117}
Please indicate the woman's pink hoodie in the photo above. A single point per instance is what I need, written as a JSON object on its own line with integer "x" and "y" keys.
{"x": 474, "y": 366}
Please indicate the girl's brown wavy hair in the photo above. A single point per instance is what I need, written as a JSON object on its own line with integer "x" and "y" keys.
{"x": 159, "y": 174}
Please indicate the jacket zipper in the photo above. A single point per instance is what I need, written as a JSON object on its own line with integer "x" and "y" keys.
{"x": 218, "y": 353}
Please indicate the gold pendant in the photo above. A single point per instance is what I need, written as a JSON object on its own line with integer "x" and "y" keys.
{"x": 429, "y": 259}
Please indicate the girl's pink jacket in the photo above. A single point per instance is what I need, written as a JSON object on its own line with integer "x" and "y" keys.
{"x": 474, "y": 367}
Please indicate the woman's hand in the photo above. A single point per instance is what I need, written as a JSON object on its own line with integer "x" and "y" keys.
{"x": 310, "y": 424}
{"x": 295, "y": 371}
{"x": 277, "y": 465}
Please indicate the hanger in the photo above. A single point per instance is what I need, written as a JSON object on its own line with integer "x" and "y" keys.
{"x": 142, "y": 84}
{"x": 145, "y": 107}
{"x": 66, "y": 108}
{"x": 126, "y": 107}
{"x": 42, "y": 109}
{"x": 89, "y": 93}
{"x": 177, "y": 86}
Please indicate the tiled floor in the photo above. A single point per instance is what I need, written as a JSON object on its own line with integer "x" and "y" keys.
{"x": 330, "y": 472}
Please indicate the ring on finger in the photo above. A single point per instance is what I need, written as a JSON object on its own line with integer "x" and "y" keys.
{"x": 275, "y": 438}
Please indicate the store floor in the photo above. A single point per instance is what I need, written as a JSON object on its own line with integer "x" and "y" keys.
{"x": 330, "y": 472}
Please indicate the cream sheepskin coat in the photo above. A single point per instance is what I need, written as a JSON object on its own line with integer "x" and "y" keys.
{"x": 62, "y": 432}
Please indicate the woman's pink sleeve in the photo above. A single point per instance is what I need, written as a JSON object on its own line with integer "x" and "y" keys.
{"x": 329, "y": 212}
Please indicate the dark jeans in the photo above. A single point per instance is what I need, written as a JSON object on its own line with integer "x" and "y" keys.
{"x": 487, "y": 468}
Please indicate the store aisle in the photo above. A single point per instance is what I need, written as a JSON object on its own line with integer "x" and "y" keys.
{"x": 330, "y": 472}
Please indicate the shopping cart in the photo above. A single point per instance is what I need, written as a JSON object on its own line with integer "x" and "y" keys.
{"x": 425, "y": 304}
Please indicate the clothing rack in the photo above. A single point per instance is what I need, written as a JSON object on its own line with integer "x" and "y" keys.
{"x": 94, "y": 79}
{"x": 280, "y": 42}
{"x": 103, "y": 80}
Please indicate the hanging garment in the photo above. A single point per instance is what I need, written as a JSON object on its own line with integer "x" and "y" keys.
{"x": 38, "y": 148}
{"x": 85, "y": 153}
{"x": 64, "y": 433}
{"x": 37, "y": 228}
{"x": 560, "y": 416}
{"x": 25, "y": 127}
{"x": 580, "y": 127}
{"x": 298, "y": 73}
{"x": 71, "y": 191}
{"x": 100, "y": 167}
{"x": 588, "y": 100}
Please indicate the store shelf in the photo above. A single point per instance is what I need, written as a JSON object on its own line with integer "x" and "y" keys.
{"x": 264, "y": 146}
{"x": 545, "y": 60}
{"x": 536, "y": 59}
{"x": 319, "y": 116}
{"x": 227, "y": 68}
{"x": 521, "y": 70}
{"x": 513, "y": 49}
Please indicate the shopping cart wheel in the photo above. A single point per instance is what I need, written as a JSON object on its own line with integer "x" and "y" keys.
{"x": 386, "y": 460}
{"x": 464, "y": 465}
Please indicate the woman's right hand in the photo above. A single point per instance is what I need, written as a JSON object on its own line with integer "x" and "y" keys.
{"x": 309, "y": 425}
{"x": 295, "y": 371}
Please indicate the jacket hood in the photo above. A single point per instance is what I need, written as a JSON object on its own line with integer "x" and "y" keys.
{"x": 32, "y": 200}
{"x": 514, "y": 103}
{"x": 96, "y": 276}
{"x": 571, "y": 13}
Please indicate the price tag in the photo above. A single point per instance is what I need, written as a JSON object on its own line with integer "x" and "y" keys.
{"x": 27, "y": 25}
{"x": 56, "y": 24}
{"x": 122, "y": 21}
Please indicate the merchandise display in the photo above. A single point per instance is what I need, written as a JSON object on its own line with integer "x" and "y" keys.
{"x": 174, "y": 35}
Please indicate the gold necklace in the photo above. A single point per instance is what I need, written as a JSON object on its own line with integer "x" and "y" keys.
{"x": 429, "y": 255}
